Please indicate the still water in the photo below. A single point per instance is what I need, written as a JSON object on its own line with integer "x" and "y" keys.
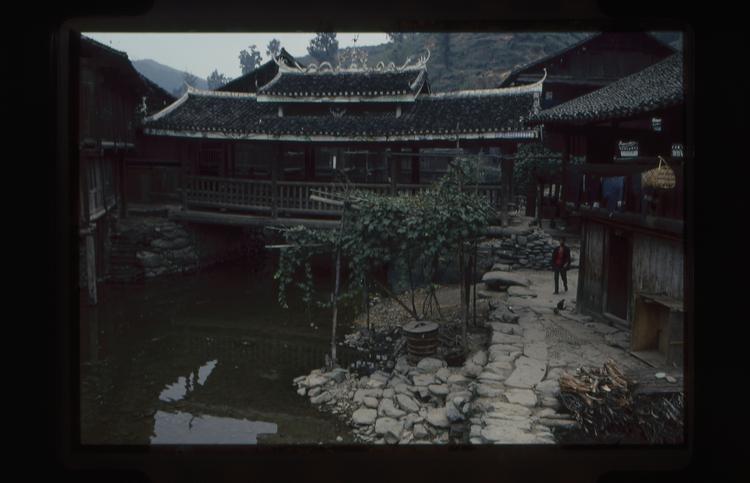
{"x": 202, "y": 359}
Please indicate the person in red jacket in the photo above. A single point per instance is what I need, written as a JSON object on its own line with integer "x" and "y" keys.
{"x": 560, "y": 264}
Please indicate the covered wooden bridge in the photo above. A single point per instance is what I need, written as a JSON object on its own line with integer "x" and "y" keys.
{"x": 261, "y": 147}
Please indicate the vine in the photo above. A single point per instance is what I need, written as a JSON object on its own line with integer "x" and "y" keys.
{"x": 424, "y": 230}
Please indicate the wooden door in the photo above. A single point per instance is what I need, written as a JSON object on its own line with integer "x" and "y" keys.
{"x": 618, "y": 259}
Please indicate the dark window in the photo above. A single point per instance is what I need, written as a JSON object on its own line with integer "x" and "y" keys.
{"x": 252, "y": 161}
{"x": 293, "y": 164}
{"x": 210, "y": 160}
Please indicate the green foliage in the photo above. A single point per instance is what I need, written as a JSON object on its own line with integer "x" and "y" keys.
{"x": 273, "y": 48}
{"x": 532, "y": 158}
{"x": 422, "y": 229}
{"x": 249, "y": 60}
{"x": 324, "y": 47}
{"x": 216, "y": 80}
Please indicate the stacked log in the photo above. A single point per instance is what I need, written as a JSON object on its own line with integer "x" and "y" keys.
{"x": 605, "y": 405}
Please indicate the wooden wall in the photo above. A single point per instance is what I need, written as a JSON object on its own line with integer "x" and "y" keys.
{"x": 658, "y": 266}
{"x": 592, "y": 264}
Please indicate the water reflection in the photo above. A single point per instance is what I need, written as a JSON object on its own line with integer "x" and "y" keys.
{"x": 186, "y": 428}
{"x": 155, "y": 364}
{"x": 184, "y": 385}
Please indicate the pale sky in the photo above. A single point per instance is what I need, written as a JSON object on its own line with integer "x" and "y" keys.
{"x": 201, "y": 53}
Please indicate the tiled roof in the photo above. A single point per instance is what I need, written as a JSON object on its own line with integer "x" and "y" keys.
{"x": 655, "y": 87}
{"x": 498, "y": 113}
{"x": 259, "y": 76}
{"x": 364, "y": 83}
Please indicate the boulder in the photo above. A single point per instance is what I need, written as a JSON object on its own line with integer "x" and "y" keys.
{"x": 480, "y": 358}
{"x": 338, "y": 375}
{"x": 389, "y": 427}
{"x": 407, "y": 403}
{"x": 410, "y": 420}
{"x": 438, "y": 418}
{"x": 420, "y": 432}
{"x": 321, "y": 398}
{"x": 524, "y": 397}
{"x": 503, "y": 314}
{"x": 548, "y": 388}
{"x": 452, "y": 412}
{"x": 301, "y": 391}
{"x": 360, "y": 394}
{"x": 315, "y": 391}
{"x": 490, "y": 376}
{"x": 423, "y": 379}
{"x": 490, "y": 389}
{"x": 458, "y": 379}
{"x": 471, "y": 370}
{"x": 386, "y": 408}
{"x": 370, "y": 402}
{"x": 443, "y": 374}
{"x": 364, "y": 416}
{"x": 402, "y": 388}
{"x": 389, "y": 393}
{"x": 430, "y": 364}
{"x": 438, "y": 389}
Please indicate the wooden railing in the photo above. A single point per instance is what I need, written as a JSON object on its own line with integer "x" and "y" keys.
{"x": 291, "y": 197}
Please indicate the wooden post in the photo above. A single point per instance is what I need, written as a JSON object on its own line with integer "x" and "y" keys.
{"x": 122, "y": 198}
{"x": 334, "y": 300}
{"x": 395, "y": 162}
{"x": 539, "y": 198}
{"x": 91, "y": 264}
{"x": 274, "y": 180}
{"x": 415, "y": 166}
{"x": 581, "y": 269}
{"x": 564, "y": 173}
{"x": 506, "y": 175}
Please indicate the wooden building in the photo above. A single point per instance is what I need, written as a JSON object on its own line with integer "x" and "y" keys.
{"x": 112, "y": 100}
{"x": 633, "y": 242}
{"x": 588, "y": 65}
{"x": 260, "y": 146}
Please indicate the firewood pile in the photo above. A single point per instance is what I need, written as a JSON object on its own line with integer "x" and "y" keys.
{"x": 603, "y": 402}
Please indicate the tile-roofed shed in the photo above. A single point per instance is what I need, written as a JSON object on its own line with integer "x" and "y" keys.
{"x": 656, "y": 87}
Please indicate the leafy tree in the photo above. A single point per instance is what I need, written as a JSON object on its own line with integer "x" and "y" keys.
{"x": 273, "y": 48}
{"x": 324, "y": 47}
{"x": 397, "y": 47}
{"x": 424, "y": 231}
{"x": 249, "y": 60}
{"x": 216, "y": 80}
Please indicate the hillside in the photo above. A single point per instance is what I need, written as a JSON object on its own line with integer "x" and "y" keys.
{"x": 168, "y": 78}
{"x": 477, "y": 60}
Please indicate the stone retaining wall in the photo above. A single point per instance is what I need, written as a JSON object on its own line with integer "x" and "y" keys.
{"x": 530, "y": 249}
{"x": 170, "y": 247}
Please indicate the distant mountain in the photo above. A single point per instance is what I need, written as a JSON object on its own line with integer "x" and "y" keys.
{"x": 168, "y": 78}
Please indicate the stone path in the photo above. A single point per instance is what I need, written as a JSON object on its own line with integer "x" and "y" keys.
{"x": 531, "y": 346}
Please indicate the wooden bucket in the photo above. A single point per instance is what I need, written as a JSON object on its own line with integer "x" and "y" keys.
{"x": 421, "y": 340}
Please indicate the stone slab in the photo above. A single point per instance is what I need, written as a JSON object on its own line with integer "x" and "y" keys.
{"x": 528, "y": 373}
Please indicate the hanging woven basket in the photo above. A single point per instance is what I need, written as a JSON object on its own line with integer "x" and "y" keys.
{"x": 660, "y": 177}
